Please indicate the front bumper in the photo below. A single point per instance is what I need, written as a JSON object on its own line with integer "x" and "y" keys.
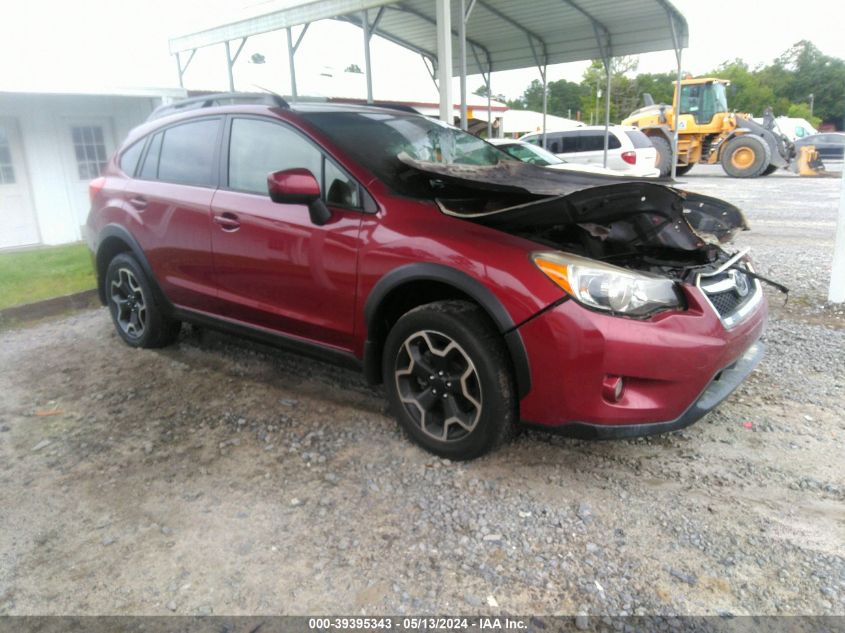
{"x": 722, "y": 385}
{"x": 676, "y": 366}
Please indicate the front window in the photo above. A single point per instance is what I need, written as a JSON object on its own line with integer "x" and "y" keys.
{"x": 377, "y": 139}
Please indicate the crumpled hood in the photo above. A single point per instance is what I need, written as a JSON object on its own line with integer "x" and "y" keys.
{"x": 618, "y": 209}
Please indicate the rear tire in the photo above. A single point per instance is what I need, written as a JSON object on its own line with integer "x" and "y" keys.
{"x": 448, "y": 379}
{"x": 746, "y": 156}
{"x": 769, "y": 170}
{"x": 137, "y": 317}
{"x": 664, "y": 155}
{"x": 680, "y": 170}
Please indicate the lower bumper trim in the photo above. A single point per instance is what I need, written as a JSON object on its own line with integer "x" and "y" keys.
{"x": 719, "y": 388}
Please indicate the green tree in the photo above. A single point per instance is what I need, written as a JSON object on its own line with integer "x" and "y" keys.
{"x": 747, "y": 92}
{"x": 813, "y": 72}
{"x": 624, "y": 95}
{"x": 481, "y": 91}
{"x": 802, "y": 111}
{"x": 353, "y": 68}
{"x": 659, "y": 85}
{"x": 564, "y": 98}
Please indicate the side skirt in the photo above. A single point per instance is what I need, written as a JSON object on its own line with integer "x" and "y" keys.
{"x": 269, "y": 337}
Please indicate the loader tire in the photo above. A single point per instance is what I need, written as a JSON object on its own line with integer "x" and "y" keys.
{"x": 746, "y": 156}
{"x": 769, "y": 170}
{"x": 680, "y": 170}
{"x": 664, "y": 155}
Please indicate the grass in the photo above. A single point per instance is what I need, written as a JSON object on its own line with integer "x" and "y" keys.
{"x": 44, "y": 273}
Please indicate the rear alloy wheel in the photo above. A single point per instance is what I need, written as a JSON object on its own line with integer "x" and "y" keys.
{"x": 746, "y": 156}
{"x": 137, "y": 317}
{"x": 448, "y": 379}
{"x": 664, "y": 155}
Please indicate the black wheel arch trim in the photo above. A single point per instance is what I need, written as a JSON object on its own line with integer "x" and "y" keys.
{"x": 460, "y": 281}
{"x": 123, "y": 234}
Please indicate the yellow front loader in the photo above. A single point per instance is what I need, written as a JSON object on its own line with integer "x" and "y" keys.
{"x": 709, "y": 133}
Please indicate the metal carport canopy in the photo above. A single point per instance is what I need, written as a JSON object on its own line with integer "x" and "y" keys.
{"x": 561, "y": 30}
{"x": 492, "y": 35}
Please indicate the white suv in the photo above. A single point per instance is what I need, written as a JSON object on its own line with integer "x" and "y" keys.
{"x": 626, "y": 146}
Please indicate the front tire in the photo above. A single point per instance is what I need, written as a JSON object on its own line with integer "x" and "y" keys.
{"x": 137, "y": 317}
{"x": 746, "y": 156}
{"x": 448, "y": 380}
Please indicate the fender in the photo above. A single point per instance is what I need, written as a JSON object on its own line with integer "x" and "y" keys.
{"x": 461, "y": 281}
{"x": 122, "y": 234}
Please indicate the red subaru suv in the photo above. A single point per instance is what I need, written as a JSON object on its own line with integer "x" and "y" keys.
{"x": 483, "y": 292}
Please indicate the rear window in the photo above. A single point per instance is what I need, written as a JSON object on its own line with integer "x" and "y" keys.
{"x": 639, "y": 139}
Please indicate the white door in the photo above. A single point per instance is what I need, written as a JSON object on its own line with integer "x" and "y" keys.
{"x": 90, "y": 143}
{"x": 18, "y": 226}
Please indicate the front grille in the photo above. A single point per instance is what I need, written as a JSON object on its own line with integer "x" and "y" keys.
{"x": 726, "y": 302}
{"x": 728, "y": 292}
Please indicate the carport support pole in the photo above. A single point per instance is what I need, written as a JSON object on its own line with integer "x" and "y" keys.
{"x": 292, "y": 65}
{"x": 607, "y": 65}
{"x": 229, "y": 67}
{"x": 676, "y": 100}
{"x": 179, "y": 66}
{"x": 489, "y": 106}
{"x": 545, "y": 103}
{"x": 462, "y": 52}
{"x": 444, "y": 58}
{"x": 836, "y": 293}
{"x": 365, "y": 24}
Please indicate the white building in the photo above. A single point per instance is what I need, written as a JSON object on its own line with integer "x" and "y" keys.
{"x": 51, "y": 146}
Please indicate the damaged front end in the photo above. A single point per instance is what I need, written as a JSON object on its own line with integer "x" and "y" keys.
{"x": 613, "y": 244}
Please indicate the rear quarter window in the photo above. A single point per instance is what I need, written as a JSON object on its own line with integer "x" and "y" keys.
{"x": 129, "y": 158}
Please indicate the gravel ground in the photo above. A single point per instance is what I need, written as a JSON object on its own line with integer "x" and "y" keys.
{"x": 214, "y": 477}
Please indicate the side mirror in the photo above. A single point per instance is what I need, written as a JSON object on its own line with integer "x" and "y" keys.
{"x": 298, "y": 186}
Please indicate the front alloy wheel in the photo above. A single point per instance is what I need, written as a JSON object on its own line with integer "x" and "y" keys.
{"x": 439, "y": 385}
{"x": 448, "y": 377}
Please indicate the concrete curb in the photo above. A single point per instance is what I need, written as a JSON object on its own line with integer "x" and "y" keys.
{"x": 50, "y": 307}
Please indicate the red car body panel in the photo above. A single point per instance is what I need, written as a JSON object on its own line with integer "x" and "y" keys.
{"x": 666, "y": 362}
{"x": 248, "y": 260}
{"x": 278, "y": 270}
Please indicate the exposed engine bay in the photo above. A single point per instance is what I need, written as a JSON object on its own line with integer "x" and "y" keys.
{"x": 634, "y": 224}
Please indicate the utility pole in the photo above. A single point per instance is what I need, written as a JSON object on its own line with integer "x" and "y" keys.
{"x": 812, "y": 99}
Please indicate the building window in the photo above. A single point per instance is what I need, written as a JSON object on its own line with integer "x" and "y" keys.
{"x": 7, "y": 170}
{"x": 90, "y": 150}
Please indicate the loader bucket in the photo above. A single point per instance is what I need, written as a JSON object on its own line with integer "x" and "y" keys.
{"x": 809, "y": 163}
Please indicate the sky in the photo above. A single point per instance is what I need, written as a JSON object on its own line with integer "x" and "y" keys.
{"x": 110, "y": 44}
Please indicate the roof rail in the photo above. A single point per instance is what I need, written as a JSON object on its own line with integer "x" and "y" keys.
{"x": 218, "y": 99}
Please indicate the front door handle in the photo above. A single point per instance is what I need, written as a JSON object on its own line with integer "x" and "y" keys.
{"x": 139, "y": 202}
{"x": 227, "y": 221}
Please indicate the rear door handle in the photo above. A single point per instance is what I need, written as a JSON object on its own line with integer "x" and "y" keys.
{"x": 139, "y": 202}
{"x": 227, "y": 221}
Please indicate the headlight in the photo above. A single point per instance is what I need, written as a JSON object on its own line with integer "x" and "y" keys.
{"x": 605, "y": 287}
